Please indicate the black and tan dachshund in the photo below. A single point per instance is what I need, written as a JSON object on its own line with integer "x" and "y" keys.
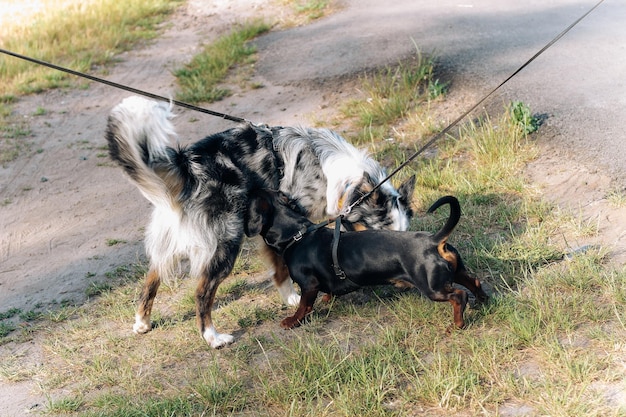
{"x": 370, "y": 257}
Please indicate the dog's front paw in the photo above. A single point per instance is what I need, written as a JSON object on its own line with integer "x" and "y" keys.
{"x": 288, "y": 294}
{"x": 142, "y": 325}
{"x": 217, "y": 340}
{"x": 293, "y": 300}
{"x": 290, "y": 322}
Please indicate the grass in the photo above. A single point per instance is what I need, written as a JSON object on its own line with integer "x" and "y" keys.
{"x": 305, "y": 11}
{"x": 80, "y": 35}
{"x": 391, "y": 95}
{"x": 200, "y": 80}
{"x": 106, "y": 27}
{"x": 550, "y": 342}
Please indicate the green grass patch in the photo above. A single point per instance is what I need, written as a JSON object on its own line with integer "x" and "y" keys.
{"x": 301, "y": 12}
{"x": 200, "y": 79}
{"x": 390, "y": 95}
{"x": 78, "y": 35}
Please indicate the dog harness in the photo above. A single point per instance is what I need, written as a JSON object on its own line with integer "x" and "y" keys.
{"x": 334, "y": 248}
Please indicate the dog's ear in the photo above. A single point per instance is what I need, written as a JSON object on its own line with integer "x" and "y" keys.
{"x": 367, "y": 185}
{"x": 406, "y": 190}
{"x": 367, "y": 180}
{"x": 259, "y": 211}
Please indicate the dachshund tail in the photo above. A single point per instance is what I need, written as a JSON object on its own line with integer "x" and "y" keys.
{"x": 442, "y": 235}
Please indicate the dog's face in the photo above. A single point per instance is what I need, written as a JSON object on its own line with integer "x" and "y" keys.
{"x": 275, "y": 217}
{"x": 385, "y": 208}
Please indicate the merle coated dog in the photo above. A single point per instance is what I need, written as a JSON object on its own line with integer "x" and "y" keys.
{"x": 371, "y": 257}
{"x": 200, "y": 194}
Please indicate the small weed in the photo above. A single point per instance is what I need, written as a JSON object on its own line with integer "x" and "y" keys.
{"x": 31, "y": 315}
{"x": 304, "y": 11}
{"x": 6, "y": 329}
{"x": 113, "y": 242}
{"x": 65, "y": 405}
{"x": 436, "y": 89}
{"x": 10, "y": 313}
{"x": 97, "y": 288}
{"x": 256, "y": 316}
{"x": 313, "y": 9}
{"x": 40, "y": 111}
{"x": 234, "y": 288}
{"x": 126, "y": 272}
{"x": 521, "y": 114}
{"x": 617, "y": 198}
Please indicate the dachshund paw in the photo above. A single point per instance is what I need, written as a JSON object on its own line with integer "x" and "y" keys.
{"x": 327, "y": 298}
{"x": 290, "y": 322}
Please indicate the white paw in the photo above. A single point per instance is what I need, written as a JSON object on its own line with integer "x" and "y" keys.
{"x": 142, "y": 325}
{"x": 288, "y": 294}
{"x": 293, "y": 299}
{"x": 217, "y": 340}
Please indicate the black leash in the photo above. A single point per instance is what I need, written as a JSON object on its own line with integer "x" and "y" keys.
{"x": 471, "y": 109}
{"x": 124, "y": 87}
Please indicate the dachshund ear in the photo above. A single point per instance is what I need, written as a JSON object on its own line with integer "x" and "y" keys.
{"x": 258, "y": 213}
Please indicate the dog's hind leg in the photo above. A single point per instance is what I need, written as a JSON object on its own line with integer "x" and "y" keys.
{"x": 282, "y": 281}
{"x": 146, "y": 299}
{"x": 461, "y": 277}
{"x": 458, "y": 299}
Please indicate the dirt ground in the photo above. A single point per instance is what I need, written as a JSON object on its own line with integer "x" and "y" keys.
{"x": 68, "y": 215}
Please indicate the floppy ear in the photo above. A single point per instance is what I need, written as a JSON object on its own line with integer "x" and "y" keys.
{"x": 258, "y": 212}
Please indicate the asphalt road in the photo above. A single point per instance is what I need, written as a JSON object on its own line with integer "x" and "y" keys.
{"x": 578, "y": 82}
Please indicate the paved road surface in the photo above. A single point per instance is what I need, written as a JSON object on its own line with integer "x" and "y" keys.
{"x": 578, "y": 82}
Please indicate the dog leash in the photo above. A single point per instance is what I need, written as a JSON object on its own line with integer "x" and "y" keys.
{"x": 125, "y": 87}
{"x": 471, "y": 109}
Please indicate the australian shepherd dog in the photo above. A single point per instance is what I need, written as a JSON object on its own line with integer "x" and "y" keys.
{"x": 201, "y": 194}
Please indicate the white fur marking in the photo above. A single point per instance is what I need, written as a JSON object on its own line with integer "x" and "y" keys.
{"x": 288, "y": 293}
{"x": 217, "y": 340}
{"x": 142, "y": 324}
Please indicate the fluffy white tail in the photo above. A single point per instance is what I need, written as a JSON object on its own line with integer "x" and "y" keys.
{"x": 138, "y": 132}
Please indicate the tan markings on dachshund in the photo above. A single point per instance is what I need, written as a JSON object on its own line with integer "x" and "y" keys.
{"x": 400, "y": 283}
{"x": 445, "y": 254}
